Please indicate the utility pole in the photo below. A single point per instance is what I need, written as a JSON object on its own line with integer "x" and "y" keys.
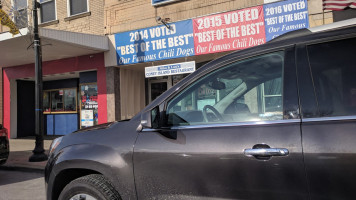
{"x": 38, "y": 153}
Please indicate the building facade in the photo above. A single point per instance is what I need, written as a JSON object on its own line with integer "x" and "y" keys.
{"x": 106, "y": 60}
{"x": 149, "y": 36}
{"x": 74, "y": 73}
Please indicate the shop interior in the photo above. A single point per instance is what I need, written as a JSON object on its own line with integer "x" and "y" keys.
{"x": 69, "y": 103}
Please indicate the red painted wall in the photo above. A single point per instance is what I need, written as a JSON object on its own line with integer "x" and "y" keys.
{"x": 6, "y": 102}
{"x": 81, "y": 63}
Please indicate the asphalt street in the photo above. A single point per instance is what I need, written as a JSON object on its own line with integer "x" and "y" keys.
{"x": 20, "y": 185}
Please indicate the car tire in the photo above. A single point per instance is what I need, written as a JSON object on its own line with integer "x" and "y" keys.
{"x": 90, "y": 187}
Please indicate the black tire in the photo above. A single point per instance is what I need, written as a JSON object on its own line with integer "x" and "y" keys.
{"x": 94, "y": 185}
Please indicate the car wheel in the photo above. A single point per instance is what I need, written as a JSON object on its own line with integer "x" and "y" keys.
{"x": 90, "y": 187}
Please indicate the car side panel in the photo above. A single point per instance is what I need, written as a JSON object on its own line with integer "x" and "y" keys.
{"x": 101, "y": 159}
{"x": 330, "y": 157}
{"x": 105, "y": 151}
{"x": 328, "y": 141}
{"x": 209, "y": 163}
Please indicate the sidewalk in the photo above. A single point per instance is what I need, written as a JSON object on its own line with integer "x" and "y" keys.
{"x": 20, "y": 152}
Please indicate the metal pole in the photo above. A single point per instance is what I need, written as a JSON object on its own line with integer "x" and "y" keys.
{"x": 38, "y": 153}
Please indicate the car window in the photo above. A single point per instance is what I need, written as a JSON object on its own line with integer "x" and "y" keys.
{"x": 333, "y": 70}
{"x": 247, "y": 90}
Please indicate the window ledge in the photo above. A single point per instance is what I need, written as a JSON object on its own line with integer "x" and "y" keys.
{"x": 60, "y": 112}
{"x": 49, "y": 23}
{"x": 77, "y": 16}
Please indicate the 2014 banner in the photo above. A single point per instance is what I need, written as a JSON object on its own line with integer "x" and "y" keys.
{"x": 228, "y": 31}
{"x": 155, "y": 43}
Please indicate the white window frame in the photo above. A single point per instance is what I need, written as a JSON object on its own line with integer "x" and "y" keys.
{"x": 55, "y": 9}
{"x": 162, "y": 3}
{"x": 264, "y": 96}
{"x": 68, "y": 9}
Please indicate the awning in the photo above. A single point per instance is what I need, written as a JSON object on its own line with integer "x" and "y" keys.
{"x": 56, "y": 45}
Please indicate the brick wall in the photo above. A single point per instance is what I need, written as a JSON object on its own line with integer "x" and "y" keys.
{"x": 317, "y": 16}
{"x": 125, "y": 15}
{"x": 92, "y": 24}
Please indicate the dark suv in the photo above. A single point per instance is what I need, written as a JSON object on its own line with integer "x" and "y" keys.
{"x": 277, "y": 121}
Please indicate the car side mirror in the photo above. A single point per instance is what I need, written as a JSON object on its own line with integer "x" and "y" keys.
{"x": 150, "y": 119}
{"x": 146, "y": 119}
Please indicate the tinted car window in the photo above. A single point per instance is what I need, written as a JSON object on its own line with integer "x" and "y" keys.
{"x": 333, "y": 70}
{"x": 247, "y": 90}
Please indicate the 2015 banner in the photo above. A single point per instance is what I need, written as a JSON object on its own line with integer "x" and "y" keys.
{"x": 234, "y": 30}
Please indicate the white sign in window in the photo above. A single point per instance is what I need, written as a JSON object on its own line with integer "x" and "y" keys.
{"x": 171, "y": 69}
{"x": 87, "y": 118}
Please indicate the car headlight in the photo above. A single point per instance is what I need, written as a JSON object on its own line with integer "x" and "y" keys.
{"x": 55, "y": 144}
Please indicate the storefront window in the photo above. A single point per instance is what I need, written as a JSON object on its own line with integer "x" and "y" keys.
{"x": 57, "y": 101}
{"x": 61, "y": 100}
{"x": 89, "y": 105}
{"x": 46, "y": 104}
{"x": 69, "y": 100}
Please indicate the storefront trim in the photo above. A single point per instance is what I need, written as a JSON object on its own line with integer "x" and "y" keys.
{"x": 62, "y": 112}
{"x": 80, "y": 63}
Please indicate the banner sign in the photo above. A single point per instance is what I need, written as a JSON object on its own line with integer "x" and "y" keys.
{"x": 155, "y": 43}
{"x": 285, "y": 16}
{"x": 234, "y": 30}
{"x": 172, "y": 69}
{"x": 221, "y": 32}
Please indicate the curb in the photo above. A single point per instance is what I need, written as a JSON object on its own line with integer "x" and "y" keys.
{"x": 23, "y": 169}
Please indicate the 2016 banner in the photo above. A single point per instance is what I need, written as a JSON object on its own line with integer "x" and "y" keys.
{"x": 155, "y": 43}
{"x": 234, "y": 30}
{"x": 285, "y": 16}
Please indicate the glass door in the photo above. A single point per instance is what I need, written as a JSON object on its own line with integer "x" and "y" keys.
{"x": 88, "y": 105}
{"x": 157, "y": 87}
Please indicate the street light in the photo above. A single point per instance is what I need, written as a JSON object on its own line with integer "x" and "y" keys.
{"x": 39, "y": 152}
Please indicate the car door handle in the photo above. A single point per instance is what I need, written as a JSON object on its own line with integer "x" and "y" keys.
{"x": 266, "y": 152}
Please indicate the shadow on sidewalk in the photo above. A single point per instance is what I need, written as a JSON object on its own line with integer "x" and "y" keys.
{"x": 20, "y": 152}
{"x": 10, "y": 177}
